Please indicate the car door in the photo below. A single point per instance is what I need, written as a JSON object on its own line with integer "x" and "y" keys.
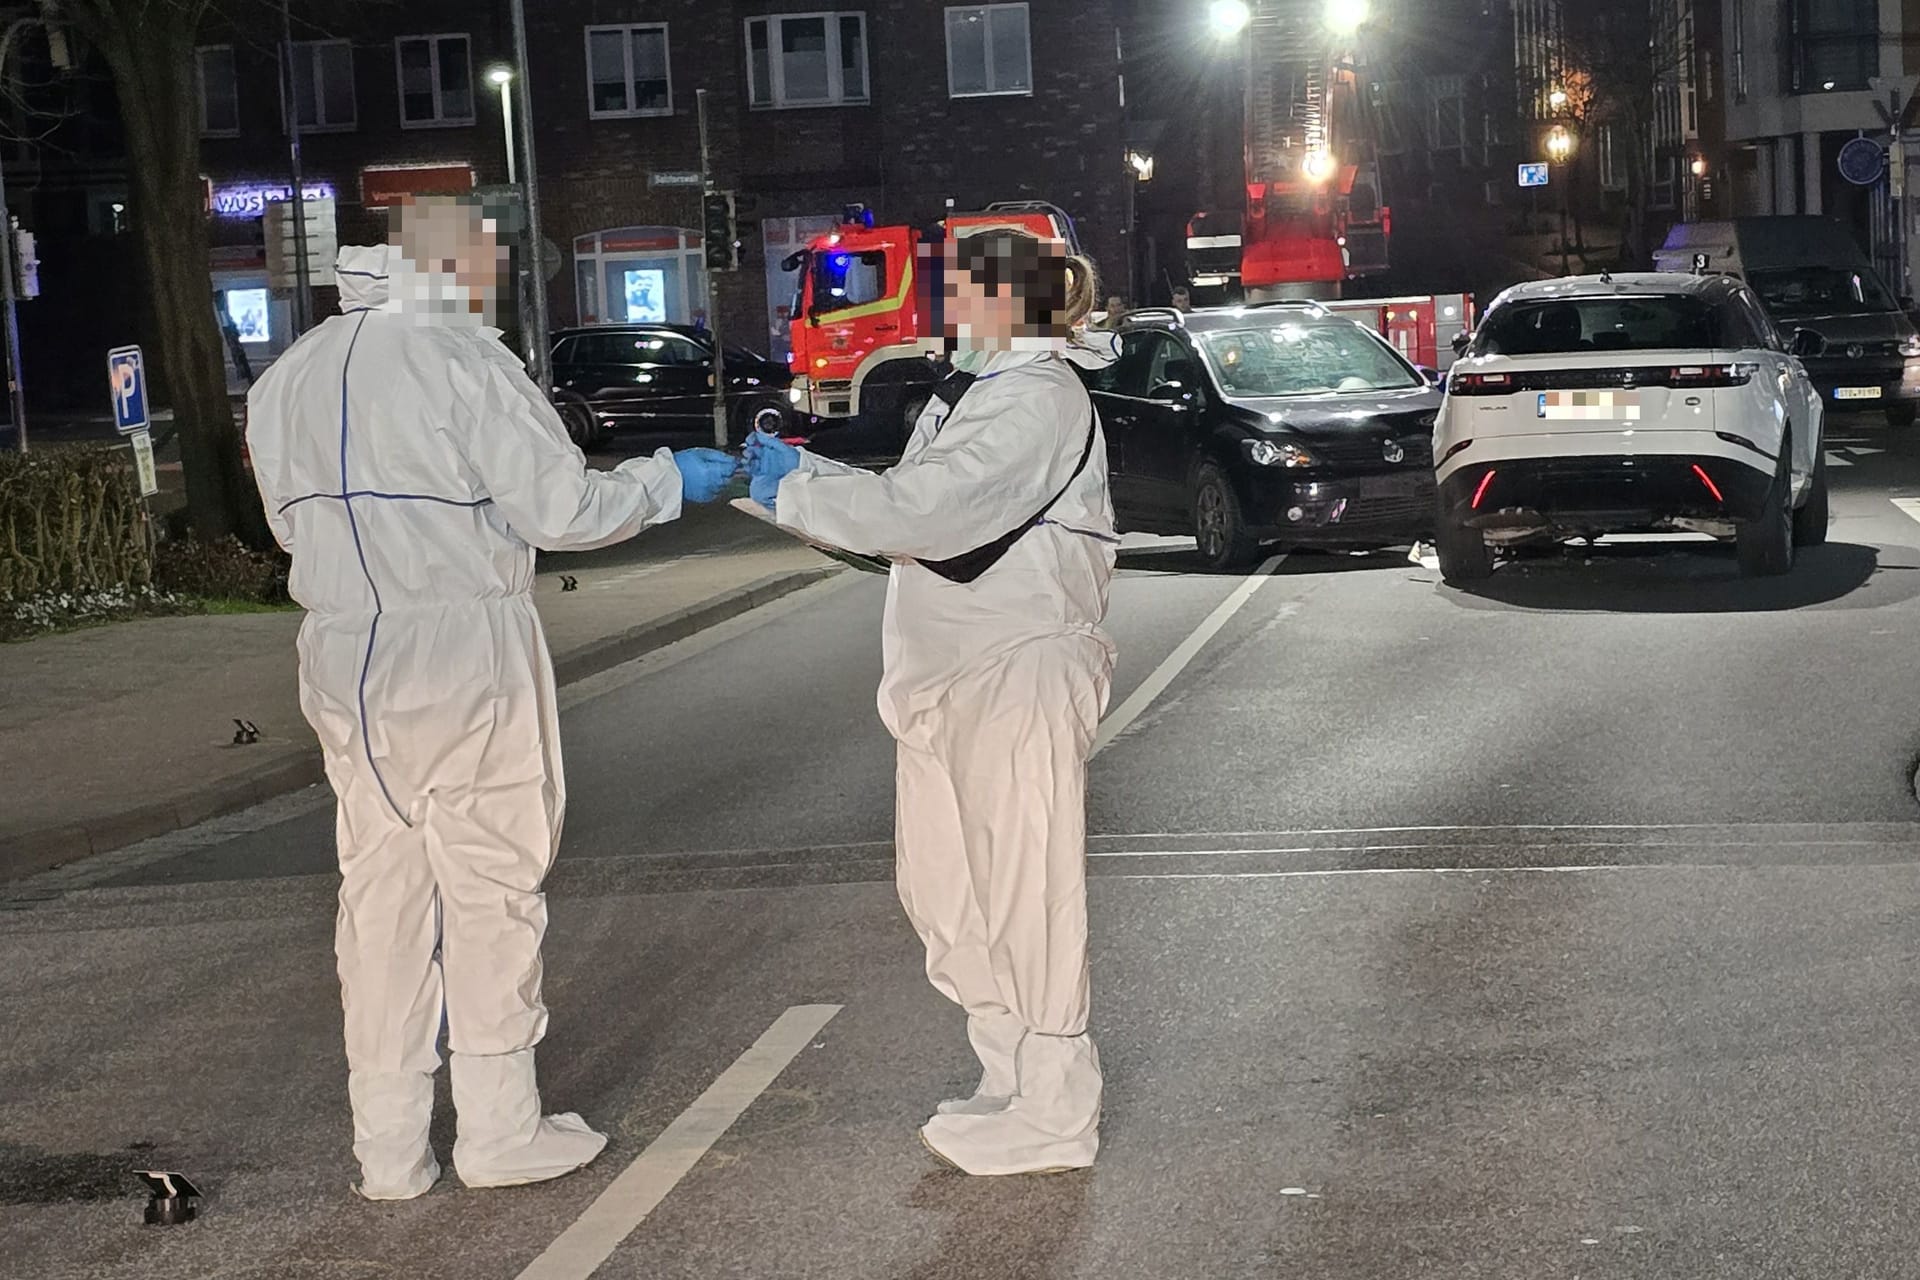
{"x": 599, "y": 368}
{"x": 1798, "y": 400}
{"x": 1119, "y": 395}
{"x": 1160, "y": 448}
{"x": 680, "y": 373}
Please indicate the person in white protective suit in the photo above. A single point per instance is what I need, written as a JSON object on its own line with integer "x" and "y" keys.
{"x": 993, "y": 687}
{"x": 410, "y": 467}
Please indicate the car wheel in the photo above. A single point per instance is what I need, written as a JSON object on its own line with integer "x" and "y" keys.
{"x": 1219, "y": 526}
{"x": 1463, "y": 551}
{"x": 1810, "y": 521}
{"x": 1902, "y": 415}
{"x": 1766, "y": 542}
{"x": 765, "y": 415}
{"x": 582, "y": 427}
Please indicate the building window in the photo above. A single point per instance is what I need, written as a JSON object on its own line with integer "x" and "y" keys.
{"x": 627, "y": 73}
{"x": 219, "y": 93}
{"x": 807, "y": 60}
{"x": 989, "y": 51}
{"x": 1738, "y": 42}
{"x": 323, "y": 85}
{"x": 1446, "y": 120}
{"x": 436, "y": 80}
{"x": 1833, "y": 44}
{"x": 1613, "y": 174}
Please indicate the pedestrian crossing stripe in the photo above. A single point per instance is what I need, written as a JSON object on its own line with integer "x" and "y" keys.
{"x": 1909, "y": 505}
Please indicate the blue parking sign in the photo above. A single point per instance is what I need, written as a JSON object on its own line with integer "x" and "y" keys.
{"x": 1533, "y": 175}
{"x": 127, "y": 381}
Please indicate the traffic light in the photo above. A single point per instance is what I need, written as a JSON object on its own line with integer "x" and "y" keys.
{"x": 721, "y": 229}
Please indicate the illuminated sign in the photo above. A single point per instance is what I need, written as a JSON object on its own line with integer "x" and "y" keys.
{"x": 380, "y": 188}
{"x": 252, "y": 202}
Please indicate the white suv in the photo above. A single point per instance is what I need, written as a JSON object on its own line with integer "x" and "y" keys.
{"x": 1630, "y": 403}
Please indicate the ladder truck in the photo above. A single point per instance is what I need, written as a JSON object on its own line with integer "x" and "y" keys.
{"x": 1313, "y": 217}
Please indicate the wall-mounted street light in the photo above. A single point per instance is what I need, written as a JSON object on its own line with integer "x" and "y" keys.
{"x": 1559, "y": 144}
{"x": 1142, "y": 165}
{"x": 1699, "y": 166}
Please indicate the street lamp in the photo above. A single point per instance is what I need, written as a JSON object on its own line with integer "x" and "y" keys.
{"x": 1229, "y": 17}
{"x": 1699, "y": 166}
{"x": 501, "y": 78}
{"x": 1344, "y": 17}
{"x": 1559, "y": 149}
{"x": 1142, "y": 165}
{"x": 1557, "y": 99}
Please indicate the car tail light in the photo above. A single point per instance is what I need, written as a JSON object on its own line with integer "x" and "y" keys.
{"x": 1707, "y": 480}
{"x": 1485, "y": 482}
{"x": 1480, "y": 384}
{"x": 1710, "y": 375}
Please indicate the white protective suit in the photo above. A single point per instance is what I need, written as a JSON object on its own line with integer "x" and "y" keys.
{"x": 410, "y": 467}
{"x": 994, "y": 690}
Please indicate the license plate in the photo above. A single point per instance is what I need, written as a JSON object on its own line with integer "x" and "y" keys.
{"x": 1856, "y": 393}
{"x": 1590, "y": 406}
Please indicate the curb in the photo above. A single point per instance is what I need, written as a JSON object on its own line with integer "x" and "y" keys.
{"x": 51, "y": 847}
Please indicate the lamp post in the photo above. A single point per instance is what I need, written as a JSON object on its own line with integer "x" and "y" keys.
{"x": 1559, "y": 151}
{"x": 501, "y": 78}
{"x": 541, "y": 365}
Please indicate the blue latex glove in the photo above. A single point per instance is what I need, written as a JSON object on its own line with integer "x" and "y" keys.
{"x": 770, "y": 457}
{"x": 704, "y": 473}
{"x": 766, "y": 491}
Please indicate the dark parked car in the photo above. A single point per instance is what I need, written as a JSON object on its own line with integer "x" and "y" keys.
{"x": 658, "y": 377}
{"x": 1263, "y": 424}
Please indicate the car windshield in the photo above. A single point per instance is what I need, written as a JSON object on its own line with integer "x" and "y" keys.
{"x": 1305, "y": 360}
{"x": 1820, "y": 291}
{"x": 1561, "y": 326}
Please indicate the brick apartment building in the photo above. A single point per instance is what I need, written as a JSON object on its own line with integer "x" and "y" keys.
{"x": 903, "y": 105}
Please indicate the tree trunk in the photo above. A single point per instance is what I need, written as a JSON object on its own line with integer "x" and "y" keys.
{"x": 150, "y": 50}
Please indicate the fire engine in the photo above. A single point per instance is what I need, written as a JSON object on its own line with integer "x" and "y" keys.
{"x": 1313, "y": 216}
{"x": 863, "y": 339}
{"x": 1420, "y": 328}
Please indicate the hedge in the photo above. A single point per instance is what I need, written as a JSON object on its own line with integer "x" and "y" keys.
{"x": 71, "y": 520}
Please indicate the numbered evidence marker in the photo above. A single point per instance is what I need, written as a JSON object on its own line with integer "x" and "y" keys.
{"x": 173, "y": 1196}
{"x": 143, "y": 463}
{"x": 127, "y": 382}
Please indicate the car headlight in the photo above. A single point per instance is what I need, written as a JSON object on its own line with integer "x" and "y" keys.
{"x": 794, "y": 395}
{"x": 1910, "y": 346}
{"x": 1267, "y": 453}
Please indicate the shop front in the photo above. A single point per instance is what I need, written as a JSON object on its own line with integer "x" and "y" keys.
{"x": 636, "y": 275}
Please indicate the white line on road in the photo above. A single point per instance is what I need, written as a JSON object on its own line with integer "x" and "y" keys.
{"x": 640, "y": 1188}
{"x": 1835, "y": 460}
{"x": 1909, "y": 505}
{"x": 1167, "y": 672}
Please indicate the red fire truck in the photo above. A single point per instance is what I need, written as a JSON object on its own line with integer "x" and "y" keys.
{"x": 1313, "y": 217}
{"x": 1421, "y": 328}
{"x": 863, "y": 345}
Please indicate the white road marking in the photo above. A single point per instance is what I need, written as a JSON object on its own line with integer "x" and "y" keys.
{"x": 1471, "y": 871}
{"x": 640, "y": 1188}
{"x": 1167, "y": 672}
{"x": 1909, "y": 505}
{"x": 1835, "y": 460}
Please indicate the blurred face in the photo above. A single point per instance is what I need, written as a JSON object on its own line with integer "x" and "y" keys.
{"x": 994, "y": 285}
{"x": 452, "y": 240}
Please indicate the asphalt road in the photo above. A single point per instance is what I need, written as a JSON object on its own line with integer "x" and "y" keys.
{"x": 1561, "y": 929}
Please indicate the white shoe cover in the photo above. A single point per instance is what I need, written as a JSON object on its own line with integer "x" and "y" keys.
{"x": 391, "y": 1112}
{"x": 504, "y": 1141}
{"x": 1051, "y": 1125}
{"x": 996, "y": 1041}
{"x": 411, "y": 1190}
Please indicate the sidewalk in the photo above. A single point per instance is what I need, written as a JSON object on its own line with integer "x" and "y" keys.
{"x": 117, "y": 734}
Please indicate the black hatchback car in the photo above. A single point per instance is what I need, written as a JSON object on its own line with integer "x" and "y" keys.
{"x": 1278, "y": 423}
{"x": 659, "y": 377}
